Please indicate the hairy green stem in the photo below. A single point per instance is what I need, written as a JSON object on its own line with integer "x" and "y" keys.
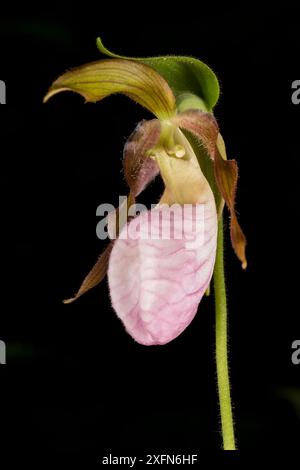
{"x": 221, "y": 347}
{"x": 184, "y": 102}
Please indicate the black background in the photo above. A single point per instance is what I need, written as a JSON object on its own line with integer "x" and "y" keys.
{"x": 75, "y": 381}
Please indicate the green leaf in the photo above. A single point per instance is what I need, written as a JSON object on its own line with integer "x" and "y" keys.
{"x": 183, "y": 74}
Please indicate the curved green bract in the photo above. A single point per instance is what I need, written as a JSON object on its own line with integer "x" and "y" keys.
{"x": 183, "y": 74}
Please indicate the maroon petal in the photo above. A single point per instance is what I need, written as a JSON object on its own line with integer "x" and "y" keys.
{"x": 95, "y": 276}
{"x": 205, "y": 128}
{"x": 140, "y": 169}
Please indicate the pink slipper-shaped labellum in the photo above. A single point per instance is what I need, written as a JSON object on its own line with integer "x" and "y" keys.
{"x": 159, "y": 272}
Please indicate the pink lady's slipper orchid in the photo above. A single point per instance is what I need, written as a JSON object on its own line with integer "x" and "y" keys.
{"x": 157, "y": 283}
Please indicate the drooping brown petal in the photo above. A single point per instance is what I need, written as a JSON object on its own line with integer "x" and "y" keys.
{"x": 140, "y": 169}
{"x": 204, "y": 127}
{"x": 99, "y": 270}
{"x": 95, "y": 276}
{"x": 226, "y": 175}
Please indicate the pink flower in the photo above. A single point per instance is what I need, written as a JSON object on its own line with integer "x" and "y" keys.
{"x": 156, "y": 283}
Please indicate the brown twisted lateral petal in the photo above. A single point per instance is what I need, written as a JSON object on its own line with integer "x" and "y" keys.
{"x": 226, "y": 175}
{"x": 205, "y": 128}
{"x": 139, "y": 170}
{"x": 95, "y": 276}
